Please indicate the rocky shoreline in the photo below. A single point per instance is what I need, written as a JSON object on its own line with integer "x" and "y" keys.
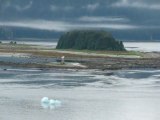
{"x": 81, "y": 60}
{"x": 106, "y": 63}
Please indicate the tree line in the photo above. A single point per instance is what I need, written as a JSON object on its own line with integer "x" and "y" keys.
{"x": 89, "y": 40}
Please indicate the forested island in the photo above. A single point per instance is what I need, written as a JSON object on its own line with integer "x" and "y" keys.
{"x": 89, "y": 40}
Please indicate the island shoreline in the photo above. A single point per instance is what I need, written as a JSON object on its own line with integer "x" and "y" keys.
{"x": 105, "y": 60}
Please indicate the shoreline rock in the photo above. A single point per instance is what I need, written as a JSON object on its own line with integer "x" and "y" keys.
{"x": 95, "y": 63}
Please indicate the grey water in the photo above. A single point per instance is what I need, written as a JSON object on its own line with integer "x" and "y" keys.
{"x": 143, "y": 46}
{"x": 85, "y": 94}
{"x": 26, "y": 59}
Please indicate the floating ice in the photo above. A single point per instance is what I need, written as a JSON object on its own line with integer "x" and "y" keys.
{"x": 57, "y": 102}
{"x": 45, "y": 100}
{"x": 46, "y": 103}
{"x": 52, "y": 102}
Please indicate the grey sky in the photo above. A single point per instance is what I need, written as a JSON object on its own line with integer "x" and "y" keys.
{"x": 72, "y": 14}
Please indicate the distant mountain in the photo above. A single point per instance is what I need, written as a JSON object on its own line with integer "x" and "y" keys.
{"x": 9, "y": 33}
{"x": 14, "y": 33}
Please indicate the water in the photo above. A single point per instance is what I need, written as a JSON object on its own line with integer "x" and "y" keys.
{"x": 85, "y": 94}
{"x": 143, "y": 46}
{"x": 24, "y": 58}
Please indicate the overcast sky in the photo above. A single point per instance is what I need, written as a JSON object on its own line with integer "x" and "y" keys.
{"x": 64, "y": 15}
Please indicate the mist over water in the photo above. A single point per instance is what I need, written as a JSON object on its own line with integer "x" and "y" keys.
{"x": 85, "y": 94}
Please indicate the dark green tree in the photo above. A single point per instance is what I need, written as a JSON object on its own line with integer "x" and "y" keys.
{"x": 89, "y": 40}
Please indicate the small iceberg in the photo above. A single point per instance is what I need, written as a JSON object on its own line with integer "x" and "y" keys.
{"x": 52, "y": 102}
{"x": 45, "y": 100}
{"x": 46, "y": 103}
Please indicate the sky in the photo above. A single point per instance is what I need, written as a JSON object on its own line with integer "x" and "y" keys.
{"x": 119, "y": 16}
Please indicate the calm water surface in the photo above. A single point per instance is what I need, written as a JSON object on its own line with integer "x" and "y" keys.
{"x": 85, "y": 94}
{"x": 143, "y": 46}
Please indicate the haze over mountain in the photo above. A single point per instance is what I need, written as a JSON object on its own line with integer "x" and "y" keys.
{"x": 126, "y": 19}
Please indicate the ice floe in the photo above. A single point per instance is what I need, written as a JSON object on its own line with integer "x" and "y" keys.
{"x": 50, "y": 103}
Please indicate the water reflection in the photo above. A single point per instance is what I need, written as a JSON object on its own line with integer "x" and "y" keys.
{"x": 50, "y": 106}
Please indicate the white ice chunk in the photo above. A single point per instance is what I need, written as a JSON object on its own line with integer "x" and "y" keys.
{"x": 57, "y": 102}
{"x": 52, "y": 102}
{"x": 45, "y": 100}
{"x": 46, "y": 103}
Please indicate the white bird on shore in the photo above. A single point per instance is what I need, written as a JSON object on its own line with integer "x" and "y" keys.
{"x": 62, "y": 60}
